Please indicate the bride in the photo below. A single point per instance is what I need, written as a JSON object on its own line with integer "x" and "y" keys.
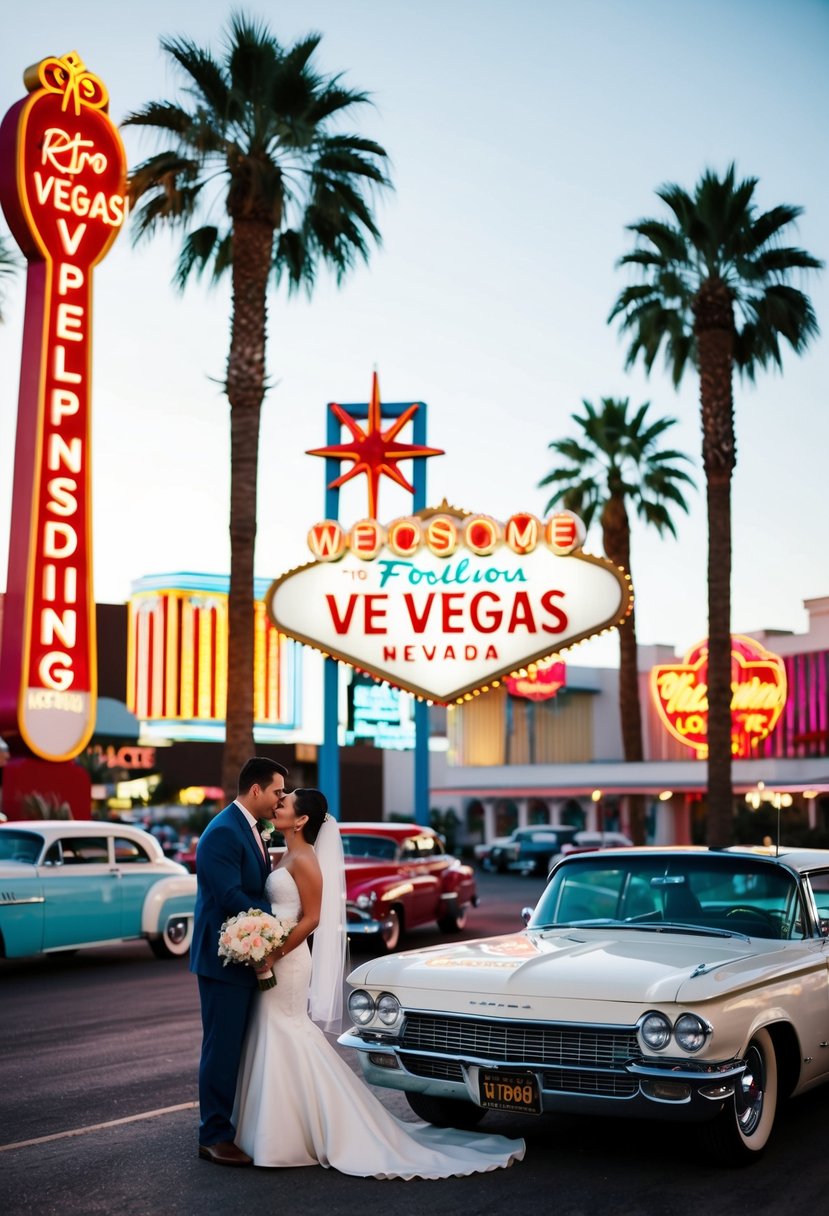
{"x": 297, "y": 1101}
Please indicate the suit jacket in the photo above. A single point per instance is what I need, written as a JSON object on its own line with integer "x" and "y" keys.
{"x": 231, "y": 875}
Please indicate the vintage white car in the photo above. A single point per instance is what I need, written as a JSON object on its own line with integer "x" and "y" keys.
{"x": 71, "y": 883}
{"x": 684, "y": 983}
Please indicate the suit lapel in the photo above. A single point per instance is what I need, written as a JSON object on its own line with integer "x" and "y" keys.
{"x": 245, "y": 827}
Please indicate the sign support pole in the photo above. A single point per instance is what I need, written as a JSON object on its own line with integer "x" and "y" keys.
{"x": 421, "y": 754}
{"x": 328, "y": 768}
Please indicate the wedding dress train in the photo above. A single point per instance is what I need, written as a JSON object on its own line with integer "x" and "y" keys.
{"x": 299, "y": 1103}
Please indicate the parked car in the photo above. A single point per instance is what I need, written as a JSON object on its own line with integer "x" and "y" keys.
{"x": 586, "y": 842}
{"x": 167, "y": 837}
{"x": 71, "y": 883}
{"x": 680, "y": 984}
{"x": 528, "y": 850}
{"x": 185, "y": 854}
{"x": 398, "y": 876}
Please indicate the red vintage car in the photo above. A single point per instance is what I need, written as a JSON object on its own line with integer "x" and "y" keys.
{"x": 398, "y": 876}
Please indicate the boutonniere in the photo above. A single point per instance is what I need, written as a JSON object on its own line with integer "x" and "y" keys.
{"x": 265, "y": 829}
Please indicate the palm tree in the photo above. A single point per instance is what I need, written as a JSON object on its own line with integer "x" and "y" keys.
{"x": 265, "y": 187}
{"x": 716, "y": 292}
{"x": 616, "y": 461}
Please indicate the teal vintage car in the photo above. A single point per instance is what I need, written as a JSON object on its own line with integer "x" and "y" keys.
{"x": 65, "y": 884}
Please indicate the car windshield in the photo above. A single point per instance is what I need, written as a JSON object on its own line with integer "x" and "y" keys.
{"x": 20, "y": 846}
{"x": 708, "y": 894}
{"x": 357, "y": 845}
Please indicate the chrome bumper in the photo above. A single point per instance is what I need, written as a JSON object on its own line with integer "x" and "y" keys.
{"x": 674, "y": 1089}
{"x": 362, "y": 924}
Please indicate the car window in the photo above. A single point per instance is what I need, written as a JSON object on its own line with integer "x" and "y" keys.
{"x": 80, "y": 850}
{"x": 357, "y": 845}
{"x": 421, "y": 848}
{"x": 732, "y": 894}
{"x": 129, "y": 852}
{"x": 20, "y": 846}
{"x": 820, "y": 890}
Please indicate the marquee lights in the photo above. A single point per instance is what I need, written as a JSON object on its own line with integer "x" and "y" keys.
{"x": 563, "y": 533}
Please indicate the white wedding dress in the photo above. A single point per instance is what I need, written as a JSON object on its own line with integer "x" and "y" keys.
{"x": 299, "y": 1103}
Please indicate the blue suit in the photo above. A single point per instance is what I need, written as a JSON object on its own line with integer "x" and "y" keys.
{"x": 231, "y": 874}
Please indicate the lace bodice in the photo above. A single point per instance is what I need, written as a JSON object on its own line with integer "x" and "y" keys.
{"x": 282, "y": 892}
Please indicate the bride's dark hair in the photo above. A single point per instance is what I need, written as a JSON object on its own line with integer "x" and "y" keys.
{"x": 314, "y": 804}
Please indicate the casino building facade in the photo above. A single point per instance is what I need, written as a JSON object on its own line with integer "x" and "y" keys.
{"x": 499, "y": 761}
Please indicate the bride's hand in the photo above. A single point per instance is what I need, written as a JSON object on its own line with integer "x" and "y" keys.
{"x": 270, "y": 961}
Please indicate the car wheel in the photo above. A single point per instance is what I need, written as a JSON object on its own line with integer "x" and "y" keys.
{"x": 446, "y": 1112}
{"x": 394, "y": 932}
{"x": 738, "y": 1135}
{"x": 455, "y": 920}
{"x": 175, "y": 938}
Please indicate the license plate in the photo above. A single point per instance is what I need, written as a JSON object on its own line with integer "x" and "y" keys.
{"x": 516, "y": 1091}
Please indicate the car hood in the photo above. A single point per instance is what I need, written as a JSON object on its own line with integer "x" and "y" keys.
{"x": 17, "y": 869}
{"x": 359, "y": 872}
{"x": 576, "y": 964}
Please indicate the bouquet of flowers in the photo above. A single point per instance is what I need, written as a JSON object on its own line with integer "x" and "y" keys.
{"x": 250, "y": 937}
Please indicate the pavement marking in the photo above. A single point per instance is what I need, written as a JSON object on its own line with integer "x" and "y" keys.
{"x": 97, "y": 1127}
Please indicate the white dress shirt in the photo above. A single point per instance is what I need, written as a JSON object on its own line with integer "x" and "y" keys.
{"x": 252, "y": 821}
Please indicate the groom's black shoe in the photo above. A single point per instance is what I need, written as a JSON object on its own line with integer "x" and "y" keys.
{"x": 225, "y": 1153}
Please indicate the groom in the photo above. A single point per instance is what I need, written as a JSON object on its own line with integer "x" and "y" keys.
{"x": 232, "y": 866}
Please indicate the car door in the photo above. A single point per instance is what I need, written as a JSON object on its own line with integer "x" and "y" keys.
{"x": 137, "y": 873}
{"x": 815, "y": 1003}
{"x": 423, "y": 864}
{"x": 83, "y": 892}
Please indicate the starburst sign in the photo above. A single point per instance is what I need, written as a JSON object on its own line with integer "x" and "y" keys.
{"x": 375, "y": 452}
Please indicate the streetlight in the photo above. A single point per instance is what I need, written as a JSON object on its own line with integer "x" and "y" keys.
{"x": 596, "y": 798}
{"x": 756, "y": 797}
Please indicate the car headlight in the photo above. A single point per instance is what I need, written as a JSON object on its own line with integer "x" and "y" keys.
{"x": 655, "y": 1031}
{"x": 361, "y": 1007}
{"x": 388, "y": 1008}
{"x": 691, "y": 1032}
{"x": 365, "y": 901}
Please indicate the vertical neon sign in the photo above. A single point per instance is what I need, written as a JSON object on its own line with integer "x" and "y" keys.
{"x": 63, "y": 191}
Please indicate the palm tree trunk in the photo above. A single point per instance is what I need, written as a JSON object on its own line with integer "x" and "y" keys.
{"x": 616, "y": 539}
{"x": 245, "y": 387}
{"x": 714, "y": 329}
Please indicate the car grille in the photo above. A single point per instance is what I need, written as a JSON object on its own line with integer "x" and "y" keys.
{"x": 519, "y": 1043}
{"x": 598, "y": 1084}
{"x": 427, "y": 1066}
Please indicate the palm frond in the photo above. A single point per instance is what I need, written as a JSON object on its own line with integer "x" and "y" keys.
{"x": 199, "y": 249}
{"x": 619, "y": 460}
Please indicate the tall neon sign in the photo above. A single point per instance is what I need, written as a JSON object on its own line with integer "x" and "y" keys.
{"x": 63, "y": 191}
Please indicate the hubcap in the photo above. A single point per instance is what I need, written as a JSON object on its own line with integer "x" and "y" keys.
{"x": 750, "y": 1094}
{"x": 177, "y": 931}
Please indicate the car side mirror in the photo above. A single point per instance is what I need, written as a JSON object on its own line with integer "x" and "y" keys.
{"x": 824, "y": 926}
{"x": 526, "y": 915}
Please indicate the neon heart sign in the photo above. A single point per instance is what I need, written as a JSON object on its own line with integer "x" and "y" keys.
{"x": 758, "y": 694}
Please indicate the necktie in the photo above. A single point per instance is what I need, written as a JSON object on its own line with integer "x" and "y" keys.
{"x": 259, "y": 841}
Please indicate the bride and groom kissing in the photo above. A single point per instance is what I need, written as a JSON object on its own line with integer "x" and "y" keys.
{"x": 272, "y": 1090}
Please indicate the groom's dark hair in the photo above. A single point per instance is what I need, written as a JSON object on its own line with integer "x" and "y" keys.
{"x": 259, "y": 770}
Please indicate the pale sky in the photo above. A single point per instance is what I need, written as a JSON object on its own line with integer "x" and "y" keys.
{"x": 524, "y": 136}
